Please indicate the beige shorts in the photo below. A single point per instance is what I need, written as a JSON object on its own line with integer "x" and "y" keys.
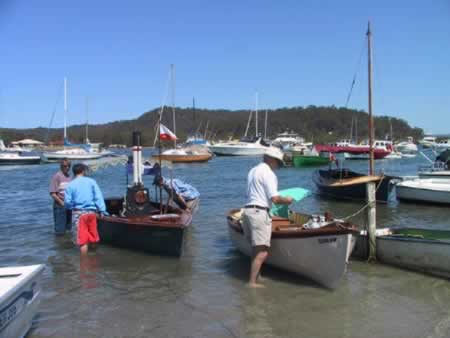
{"x": 257, "y": 226}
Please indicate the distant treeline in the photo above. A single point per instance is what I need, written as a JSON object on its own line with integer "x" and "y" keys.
{"x": 314, "y": 123}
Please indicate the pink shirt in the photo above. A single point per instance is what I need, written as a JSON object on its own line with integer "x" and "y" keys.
{"x": 58, "y": 184}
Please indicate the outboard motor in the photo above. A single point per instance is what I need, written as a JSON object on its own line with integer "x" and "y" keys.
{"x": 137, "y": 202}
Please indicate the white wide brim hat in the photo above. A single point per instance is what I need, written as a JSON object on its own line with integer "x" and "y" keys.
{"x": 275, "y": 153}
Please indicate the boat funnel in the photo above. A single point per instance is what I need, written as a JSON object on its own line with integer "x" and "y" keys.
{"x": 137, "y": 158}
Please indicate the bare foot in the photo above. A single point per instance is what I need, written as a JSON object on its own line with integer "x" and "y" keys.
{"x": 256, "y": 285}
{"x": 262, "y": 279}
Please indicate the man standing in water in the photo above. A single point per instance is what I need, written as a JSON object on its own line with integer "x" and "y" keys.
{"x": 262, "y": 191}
{"x": 62, "y": 217}
{"x": 84, "y": 198}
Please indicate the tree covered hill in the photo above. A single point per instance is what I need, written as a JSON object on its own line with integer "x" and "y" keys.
{"x": 314, "y": 123}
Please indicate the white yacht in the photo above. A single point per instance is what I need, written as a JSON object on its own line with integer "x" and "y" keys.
{"x": 239, "y": 148}
{"x": 442, "y": 145}
{"x": 13, "y": 158}
{"x": 428, "y": 142}
{"x": 287, "y": 139}
{"x": 407, "y": 147}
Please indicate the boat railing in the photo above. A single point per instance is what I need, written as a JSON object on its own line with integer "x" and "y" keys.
{"x": 436, "y": 166}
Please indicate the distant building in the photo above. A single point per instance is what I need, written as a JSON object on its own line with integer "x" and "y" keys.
{"x": 28, "y": 143}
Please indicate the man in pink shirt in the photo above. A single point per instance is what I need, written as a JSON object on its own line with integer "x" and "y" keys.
{"x": 61, "y": 216}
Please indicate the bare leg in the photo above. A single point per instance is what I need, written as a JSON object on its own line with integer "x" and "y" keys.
{"x": 84, "y": 249}
{"x": 260, "y": 254}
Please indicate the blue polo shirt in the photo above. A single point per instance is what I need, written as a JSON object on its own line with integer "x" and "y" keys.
{"x": 83, "y": 193}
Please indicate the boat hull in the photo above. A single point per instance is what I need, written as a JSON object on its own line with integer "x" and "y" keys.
{"x": 318, "y": 254}
{"x": 434, "y": 192}
{"x": 147, "y": 238}
{"x": 237, "y": 151}
{"x": 423, "y": 250}
{"x": 52, "y": 157}
{"x": 19, "y": 304}
{"x": 21, "y": 161}
{"x": 305, "y": 161}
{"x": 184, "y": 158}
{"x": 153, "y": 233}
{"x": 350, "y": 185}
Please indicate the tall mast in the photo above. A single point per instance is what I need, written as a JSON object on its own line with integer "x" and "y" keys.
{"x": 65, "y": 108}
{"x": 248, "y": 123}
{"x": 256, "y": 114}
{"x": 172, "y": 81}
{"x": 193, "y": 108}
{"x": 265, "y": 126}
{"x": 87, "y": 120}
{"x": 371, "y": 133}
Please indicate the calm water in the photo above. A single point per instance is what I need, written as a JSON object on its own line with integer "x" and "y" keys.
{"x": 119, "y": 293}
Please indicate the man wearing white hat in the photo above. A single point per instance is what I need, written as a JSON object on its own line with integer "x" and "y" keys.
{"x": 262, "y": 191}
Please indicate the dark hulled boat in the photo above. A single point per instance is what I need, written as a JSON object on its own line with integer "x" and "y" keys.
{"x": 138, "y": 223}
{"x": 152, "y": 232}
{"x": 347, "y": 184}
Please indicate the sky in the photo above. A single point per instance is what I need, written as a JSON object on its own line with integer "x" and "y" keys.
{"x": 292, "y": 52}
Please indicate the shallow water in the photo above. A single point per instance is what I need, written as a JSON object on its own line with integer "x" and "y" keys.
{"x": 120, "y": 293}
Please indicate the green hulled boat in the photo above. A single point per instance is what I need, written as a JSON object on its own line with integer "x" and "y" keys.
{"x": 309, "y": 160}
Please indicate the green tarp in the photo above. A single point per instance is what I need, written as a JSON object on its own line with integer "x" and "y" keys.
{"x": 296, "y": 193}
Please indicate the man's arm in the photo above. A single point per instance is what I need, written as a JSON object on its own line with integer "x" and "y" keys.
{"x": 57, "y": 199}
{"x": 178, "y": 199}
{"x": 98, "y": 198}
{"x": 281, "y": 200}
{"x": 68, "y": 201}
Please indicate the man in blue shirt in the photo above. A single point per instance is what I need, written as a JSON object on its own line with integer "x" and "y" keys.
{"x": 84, "y": 198}
{"x": 184, "y": 195}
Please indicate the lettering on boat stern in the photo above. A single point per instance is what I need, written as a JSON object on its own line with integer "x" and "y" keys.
{"x": 327, "y": 240}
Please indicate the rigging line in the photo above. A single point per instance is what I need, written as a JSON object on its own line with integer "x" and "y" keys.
{"x": 163, "y": 103}
{"x": 53, "y": 113}
{"x": 355, "y": 74}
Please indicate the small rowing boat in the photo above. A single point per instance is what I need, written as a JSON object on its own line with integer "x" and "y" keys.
{"x": 423, "y": 250}
{"x": 319, "y": 254}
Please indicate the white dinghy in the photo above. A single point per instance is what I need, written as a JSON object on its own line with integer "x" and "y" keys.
{"x": 20, "y": 290}
{"x": 428, "y": 190}
{"x": 319, "y": 254}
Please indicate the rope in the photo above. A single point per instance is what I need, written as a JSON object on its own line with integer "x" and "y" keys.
{"x": 368, "y": 203}
{"x": 355, "y": 74}
{"x": 53, "y": 113}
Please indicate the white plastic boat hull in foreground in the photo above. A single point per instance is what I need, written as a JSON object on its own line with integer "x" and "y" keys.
{"x": 320, "y": 258}
{"x": 20, "y": 290}
{"x": 424, "y": 190}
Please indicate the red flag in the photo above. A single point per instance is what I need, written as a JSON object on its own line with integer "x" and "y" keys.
{"x": 166, "y": 134}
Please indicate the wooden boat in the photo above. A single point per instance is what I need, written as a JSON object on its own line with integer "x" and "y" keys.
{"x": 20, "y": 290}
{"x": 139, "y": 223}
{"x": 319, "y": 254}
{"x": 423, "y": 250}
{"x": 347, "y": 184}
{"x": 152, "y": 232}
{"x": 344, "y": 183}
{"x": 428, "y": 190}
{"x": 183, "y": 156}
{"x": 305, "y": 160}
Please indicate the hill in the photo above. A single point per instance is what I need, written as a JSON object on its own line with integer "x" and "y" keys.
{"x": 314, "y": 123}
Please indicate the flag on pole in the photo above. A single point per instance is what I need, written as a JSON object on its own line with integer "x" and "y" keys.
{"x": 166, "y": 134}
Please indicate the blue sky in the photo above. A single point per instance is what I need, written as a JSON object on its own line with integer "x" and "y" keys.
{"x": 294, "y": 53}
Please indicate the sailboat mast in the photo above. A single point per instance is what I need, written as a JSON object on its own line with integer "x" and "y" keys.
{"x": 371, "y": 133}
{"x": 87, "y": 120}
{"x": 172, "y": 72}
{"x": 256, "y": 114}
{"x": 248, "y": 123}
{"x": 265, "y": 126}
{"x": 65, "y": 109}
{"x": 193, "y": 108}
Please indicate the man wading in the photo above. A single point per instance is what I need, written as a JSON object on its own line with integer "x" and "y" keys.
{"x": 84, "y": 198}
{"x": 61, "y": 216}
{"x": 262, "y": 190}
